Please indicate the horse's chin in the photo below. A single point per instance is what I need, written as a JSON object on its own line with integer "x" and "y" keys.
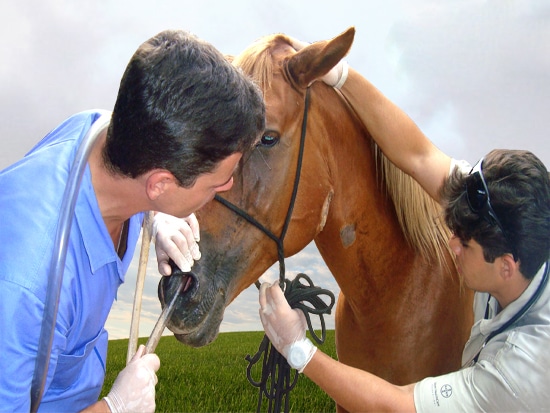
{"x": 198, "y": 338}
{"x": 198, "y": 312}
{"x": 205, "y": 332}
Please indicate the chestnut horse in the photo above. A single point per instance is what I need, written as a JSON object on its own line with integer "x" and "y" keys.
{"x": 402, "y": 312}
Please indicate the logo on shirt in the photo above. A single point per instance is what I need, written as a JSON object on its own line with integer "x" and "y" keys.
{"x": 446, "y": 391}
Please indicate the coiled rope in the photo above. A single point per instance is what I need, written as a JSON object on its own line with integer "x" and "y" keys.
{"x": 277, "y": 378}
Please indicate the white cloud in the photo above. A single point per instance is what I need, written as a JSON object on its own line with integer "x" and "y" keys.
{"x": 489, "y": 62}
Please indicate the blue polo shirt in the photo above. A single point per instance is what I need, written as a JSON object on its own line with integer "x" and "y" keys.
{"x": 31, "y": 193}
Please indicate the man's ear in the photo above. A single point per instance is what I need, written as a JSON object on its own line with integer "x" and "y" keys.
{"x": 158, "y": 182}
{"x": 509, "y": 266}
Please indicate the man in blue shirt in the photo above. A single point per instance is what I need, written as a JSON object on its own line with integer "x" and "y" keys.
{"x": 182, "y": 120}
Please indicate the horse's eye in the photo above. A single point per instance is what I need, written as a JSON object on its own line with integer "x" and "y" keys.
{"x": 269, "y": 139}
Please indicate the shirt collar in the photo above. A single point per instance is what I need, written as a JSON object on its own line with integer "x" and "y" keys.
{"x": 492, "y": 324}
{"x": 96, "y": 238}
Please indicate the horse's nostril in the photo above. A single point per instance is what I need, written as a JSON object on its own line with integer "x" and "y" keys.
{"x": 175, "y": 269}
{"x": 188, "y": 276}
{"x": 183, "y": 284}
{"x": 188, "y": 281}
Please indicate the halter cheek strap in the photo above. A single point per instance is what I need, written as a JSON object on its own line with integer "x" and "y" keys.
{"x": 276, "y": 382}
{"x": 243, "y": 214}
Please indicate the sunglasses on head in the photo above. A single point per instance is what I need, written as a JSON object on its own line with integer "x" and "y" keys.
{"x": 479, "y": 200}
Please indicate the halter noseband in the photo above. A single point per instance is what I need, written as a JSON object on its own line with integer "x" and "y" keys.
{"x": 278, "y": 240}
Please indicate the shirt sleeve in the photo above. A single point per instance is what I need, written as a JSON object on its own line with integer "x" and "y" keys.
{"x": 20, "y": 323}
{"x": 464, "y": 166}
{"x": 478, "y": 388}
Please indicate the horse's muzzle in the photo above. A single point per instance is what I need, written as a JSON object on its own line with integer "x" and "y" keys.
{"x": 169, "y": 285}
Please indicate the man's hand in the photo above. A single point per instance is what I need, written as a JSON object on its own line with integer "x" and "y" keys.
{"x": 285, "y": 327}
{"x": 176, "y": 238}
{"x": 134, "y": 387}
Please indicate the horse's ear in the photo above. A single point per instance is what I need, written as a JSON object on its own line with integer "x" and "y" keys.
{"x": 316, "y": 59}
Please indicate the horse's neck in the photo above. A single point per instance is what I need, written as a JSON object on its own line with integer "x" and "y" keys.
{"x": 361, "y": 221}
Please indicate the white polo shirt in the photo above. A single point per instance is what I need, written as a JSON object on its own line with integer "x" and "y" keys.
{"x": 512, "y": 372}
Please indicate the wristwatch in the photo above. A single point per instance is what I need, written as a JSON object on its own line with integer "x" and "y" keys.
{"x": 300, "y": 353}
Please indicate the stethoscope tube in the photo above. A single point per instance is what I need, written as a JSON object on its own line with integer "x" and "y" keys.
{"x": 59, "y": 256}
{"x": 534, "y": 298}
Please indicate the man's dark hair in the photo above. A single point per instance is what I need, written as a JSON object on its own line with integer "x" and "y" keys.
{"x": 182, "y": 107}
{"x": 519, "y": 188}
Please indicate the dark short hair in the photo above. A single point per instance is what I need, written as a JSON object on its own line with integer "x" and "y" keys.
{"x": 182, "y": 107}
{"x": 519, "y": 187}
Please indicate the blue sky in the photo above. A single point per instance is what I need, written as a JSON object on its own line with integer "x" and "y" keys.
{"x": 474, "y": 75}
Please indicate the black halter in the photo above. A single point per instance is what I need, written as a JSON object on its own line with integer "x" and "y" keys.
{"x": 276, "y": 372}
{"x": 278, "y": 240}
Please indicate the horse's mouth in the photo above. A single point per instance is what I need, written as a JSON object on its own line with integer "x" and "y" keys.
{"x": 185, "y": 285}
{"x": 198, "y": 312}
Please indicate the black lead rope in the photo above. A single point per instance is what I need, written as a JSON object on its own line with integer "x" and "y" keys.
{"x": 276, "y": 379}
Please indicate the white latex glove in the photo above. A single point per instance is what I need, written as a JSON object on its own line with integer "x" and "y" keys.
{"x": 176, "y": 238}
{"x": 285, "y": 326}
{"x": 134, "y": 387}
{"x": 337, "y": 76}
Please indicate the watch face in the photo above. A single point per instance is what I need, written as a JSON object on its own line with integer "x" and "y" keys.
{"x": 297, "y": 356}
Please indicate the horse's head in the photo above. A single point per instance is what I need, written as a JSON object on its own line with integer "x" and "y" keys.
{"x": 236, "y": 253}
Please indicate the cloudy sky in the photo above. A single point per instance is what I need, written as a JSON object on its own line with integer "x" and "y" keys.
{"x": 474, "y": 74}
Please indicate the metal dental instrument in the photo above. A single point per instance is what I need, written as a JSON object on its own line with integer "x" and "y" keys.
{"x": 165, "y": 315}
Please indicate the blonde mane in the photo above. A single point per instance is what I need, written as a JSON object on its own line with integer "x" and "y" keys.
{"x": 418, "y": 214}
{"x": 256, "y": 60}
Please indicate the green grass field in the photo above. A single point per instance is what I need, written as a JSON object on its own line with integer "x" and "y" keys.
{"x": 213, "y": 378}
